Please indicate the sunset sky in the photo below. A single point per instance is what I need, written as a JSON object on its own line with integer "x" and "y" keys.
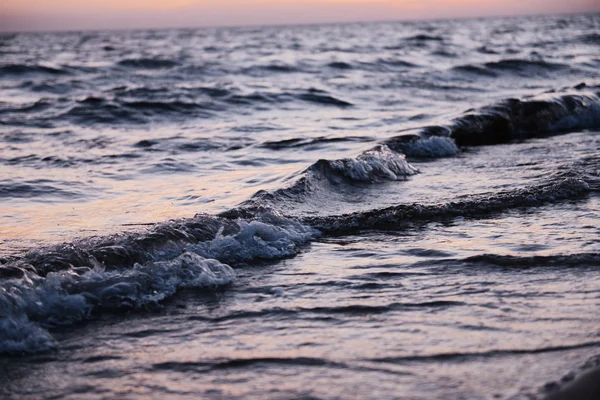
{"x": 17, "y": 15}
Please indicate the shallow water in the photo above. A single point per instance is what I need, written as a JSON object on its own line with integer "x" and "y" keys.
{"x": 395, "y": 210}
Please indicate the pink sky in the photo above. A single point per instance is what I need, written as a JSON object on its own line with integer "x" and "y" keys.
{"x": 17, "y": 15}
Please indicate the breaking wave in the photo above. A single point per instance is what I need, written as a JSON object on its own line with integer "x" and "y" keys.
{"x": 503, "y": 122}
{"x": 69, "y": 283}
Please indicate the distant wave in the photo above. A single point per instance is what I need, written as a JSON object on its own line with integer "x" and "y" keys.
{"x": 591, "y": 38}
{"x": 275, "y": 67}
{"x": 306, "y": 142}
{"x": 568, "y": 260}
{"x": 26, "y": 69}
{"x": 425, "y": 38}
{"x": 147, "y": 63}
{"x": 339, "y": 65}
{"x": 122, "y": 106}
{"x": 37, "y": 188}
{"x": 519, "y": 64}
{"x": 521, "y": 67}
{"x": 320, "y": 97}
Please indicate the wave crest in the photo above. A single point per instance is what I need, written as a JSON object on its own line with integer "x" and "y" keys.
{"x": 33, "y": 304}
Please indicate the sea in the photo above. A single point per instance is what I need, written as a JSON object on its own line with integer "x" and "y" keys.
{"x": 397, "y": 210}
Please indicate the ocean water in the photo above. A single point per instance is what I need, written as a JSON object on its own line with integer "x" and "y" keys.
{"x": 360, "y": 211}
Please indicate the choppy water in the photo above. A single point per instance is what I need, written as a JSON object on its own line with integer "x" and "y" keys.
{"x": 398, "y": 210}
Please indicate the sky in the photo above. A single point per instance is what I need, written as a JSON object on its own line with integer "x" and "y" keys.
{"x": 25, "y": 15}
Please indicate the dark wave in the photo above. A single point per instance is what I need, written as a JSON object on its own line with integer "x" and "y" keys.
{"x": 510, "y": 120}
{"x": 310, "y": 312}
{"x": 568, "y": 260}
{"x": 245, "y": 363}
{"x": 515, "y": 64}
{"x": 339, "y": 65}
{"x": 27, "y": 108}
{"x": 425, "y": 38}
{"x": 124, "y": 105}
{"x": 391, "y": 62}
{"x": 147, "y": 63}
{"x": 37, "y": 188}
{"x": 473, "y": 206}
{"x": 104, "y": 111}
{"x": 36, "y": 161}
{"x": 311, "y": 142}
{"x": 25, "y": 69}
{"x": 484, "y": 354}
{"x": 511, "y": 66}
{"x": 591, "y": 38}
{"x": 475, "y": 70}
{"x": 273, "y": 68}
{"x": 324, "y": 99}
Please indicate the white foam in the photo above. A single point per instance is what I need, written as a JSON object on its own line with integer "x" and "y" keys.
{"x": 29, "y": 305}
{"x": 271, "y": 237}
{"x": 379, "y": 163}
{"x": 433, "y": 146}
{"x": 18, "y": 335}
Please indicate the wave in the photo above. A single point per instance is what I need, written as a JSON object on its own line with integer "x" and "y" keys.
{"x": 124, "y": 105}
{"x": 147, "y": 63}
{"x": 423, "y": 146}
{"x": 37, "y": 188}
{"x": 28, "y": 69}
{"x": 311, "y": 142}
{"x": 516, "y": 64}
{"x": 591, "y": 38}
{"x": 425, "y": 38}
{"x": 475, "y": 70}
{"x": 312, "y": 312}
{"x": 319, "y": 97}
{"x": 483, "y": 354}
{"x": 99, "y": 110}
{"x": 339, "y": 65}
{"x": 392, "y": 218}
{"x": 576, "y": 260}
{"x": 568, "y": 260}
{"x": 509, "y": 120}
{"x": 376, "y": 165}
{"x": 26, "y": 108}
{"x": 69, "y": 283}
{"x": 273, "y": 68}
{"x": 32, "y": 303}
{"x": 521, "y": 67}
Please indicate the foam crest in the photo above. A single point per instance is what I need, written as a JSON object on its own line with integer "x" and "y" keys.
{"x": 377, "y": 164}
{"x": 31, "y": 305}
{"x": 271, "y": 237}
